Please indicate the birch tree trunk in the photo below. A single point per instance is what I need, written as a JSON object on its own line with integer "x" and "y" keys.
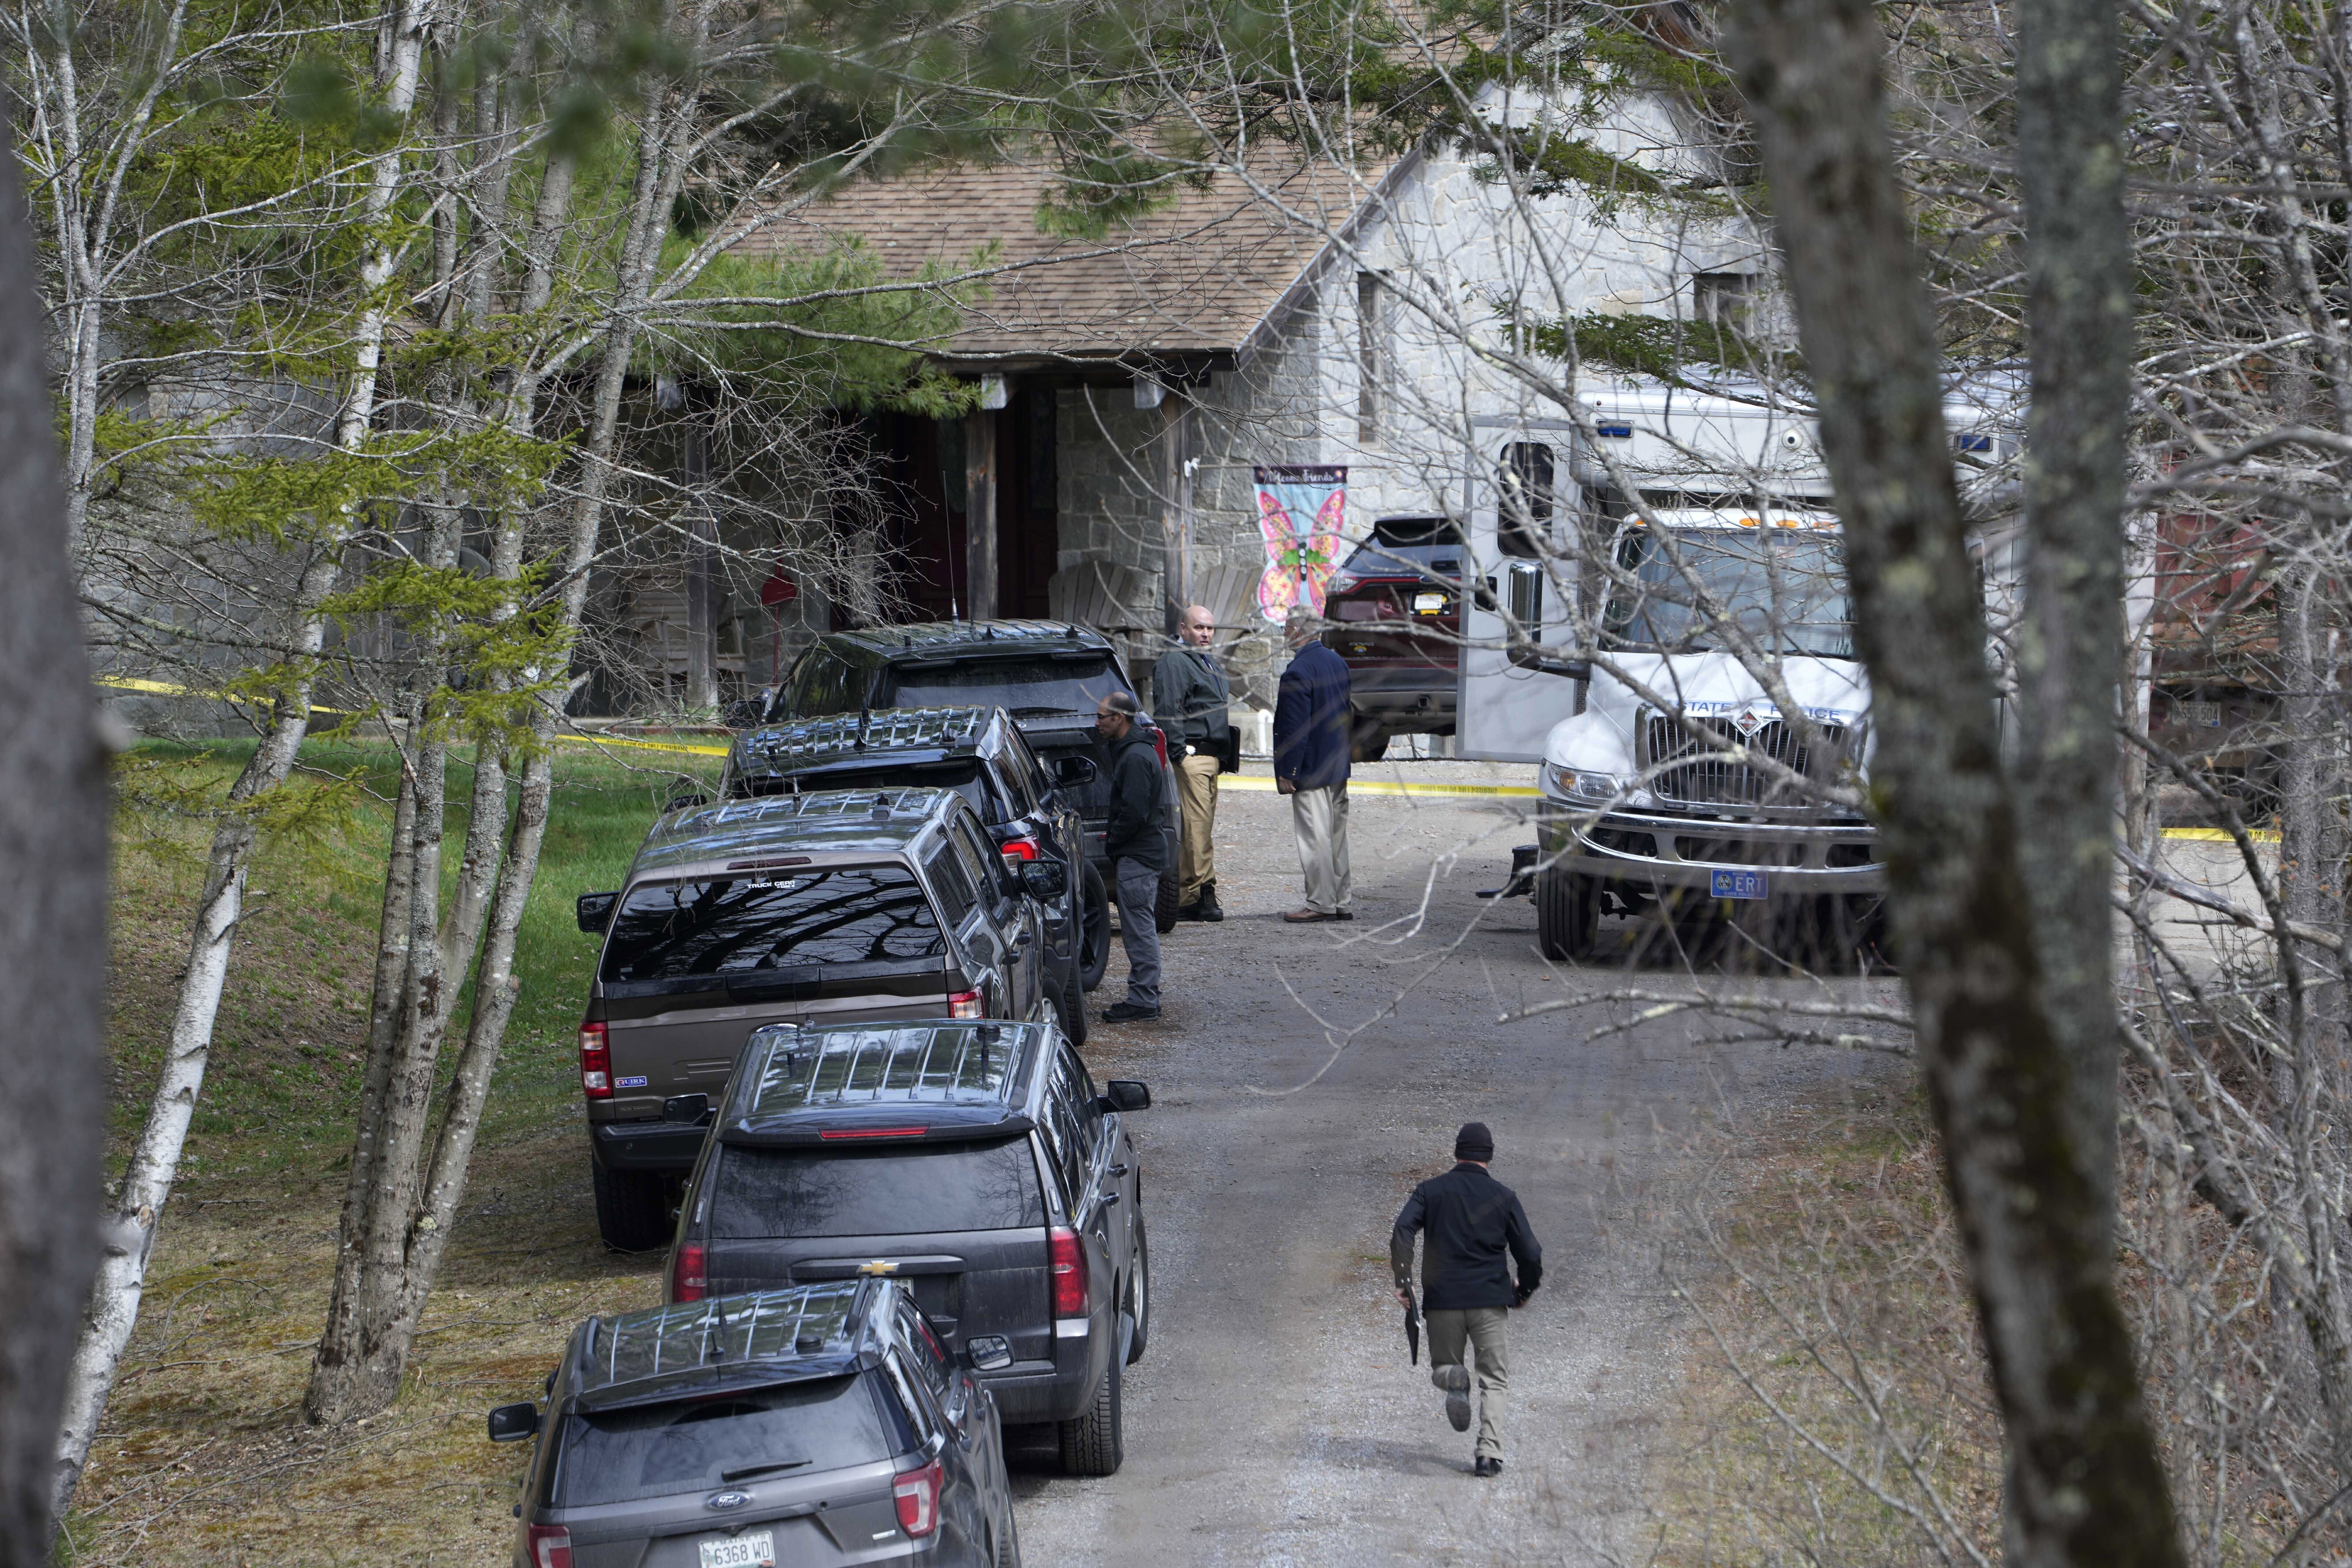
{"x": 2085, "y": 1483}
{"x": 53, "y": 860}
{"x": 113, "y": 1311}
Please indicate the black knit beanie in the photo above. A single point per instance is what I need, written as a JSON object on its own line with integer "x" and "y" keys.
{"x": 1473, "y": 1142}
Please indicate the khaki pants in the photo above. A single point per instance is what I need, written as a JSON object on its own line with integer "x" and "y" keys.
{"x": 1196, "y": 857}
{"x": 1320, "y": 817}
{"x": 1483, "y": 1328}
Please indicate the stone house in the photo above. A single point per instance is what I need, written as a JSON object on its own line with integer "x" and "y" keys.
{"x": 1302, "y": 314}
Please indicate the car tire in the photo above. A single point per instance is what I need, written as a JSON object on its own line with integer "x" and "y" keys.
{"x": 1091, "y": 1444}
{"x": 632, "y": 1208}
{"x": 1163, "y": 910}
{"x": 1566, "y": 910}
{"x": 1139, "y": 1295}
{"x": 1368, "y": 743}
{"x": 1008, "y": 1541}
{"x": 1094, "y": 930}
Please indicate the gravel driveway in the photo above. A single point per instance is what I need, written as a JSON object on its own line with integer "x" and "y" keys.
{"x": 1274, "y": 1420}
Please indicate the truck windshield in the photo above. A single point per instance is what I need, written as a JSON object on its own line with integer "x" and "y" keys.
{"x": 1020, "y": 686}
{"x": 1784, "y": 587}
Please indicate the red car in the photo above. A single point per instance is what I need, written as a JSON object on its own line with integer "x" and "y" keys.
{"x": 1398, "y": 606}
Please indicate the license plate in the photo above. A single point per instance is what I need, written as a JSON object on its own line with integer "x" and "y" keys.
{"x": 1740, "y": 884}
{"x": 753, "y": 1548}
{"x": 1428, "y": 603}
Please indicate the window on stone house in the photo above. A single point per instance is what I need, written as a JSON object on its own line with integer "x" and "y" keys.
{"x": 1372, "y": 353}
{"x": 1723, "y": 298}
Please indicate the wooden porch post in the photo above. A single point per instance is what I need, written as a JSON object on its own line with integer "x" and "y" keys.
{"x": 1175, "y": 511}
{"x": 980, "y": 514}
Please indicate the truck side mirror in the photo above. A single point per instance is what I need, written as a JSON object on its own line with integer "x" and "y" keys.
{"x": 513, "y": 1423}
{"x": 1075, "y": 773}
{"x": 1125, "y": 1094}
{"x": 1543, "y": 662}
{"x": 1045, "y": 880}
{"x": 684, "y": 795}
{"x": 595, "y": 910}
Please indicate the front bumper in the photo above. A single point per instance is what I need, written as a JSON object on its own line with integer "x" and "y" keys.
{"x": 1678, "y": 850}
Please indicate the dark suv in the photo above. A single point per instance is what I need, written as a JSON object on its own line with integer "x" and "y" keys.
{"x": 1397, "y": 605}
{"x": 977, "y": 752}
{"x": 1049, "y": 675}
{"x": 976, "y": 1163}
{"x": 815, "y": 1425}
{"x": 835, "y": 907}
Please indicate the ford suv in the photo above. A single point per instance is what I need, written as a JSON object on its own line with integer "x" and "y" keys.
{"x": 976, "y": 1163}
{"x": 980, "y": 754}
{"x": 822, "y": 1424}
{"x": 835, "y": 907}
{"x": 1395, "y": 612}
{"x": 1049, "y": 675}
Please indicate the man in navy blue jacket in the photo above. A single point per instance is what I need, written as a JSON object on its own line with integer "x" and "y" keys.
{"x": 1310, "y": 764}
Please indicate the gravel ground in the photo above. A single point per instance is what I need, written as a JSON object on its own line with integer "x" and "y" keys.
{"x": 1274, "y": 1420}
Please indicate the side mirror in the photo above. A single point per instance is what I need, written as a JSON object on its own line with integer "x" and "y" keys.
{"x": 685, "y": 795}
{"x": 1542, "y": 661}
{"x": 1125, "y": 1094}
{"x": 513, "y": 1423}
{"x": 1045, "y": 880}
{"x": 687, "y": 1109}
{"x": 595, "y": 910}
{"x": 988, "y": 1352}
{"x": 1073, "y": 772}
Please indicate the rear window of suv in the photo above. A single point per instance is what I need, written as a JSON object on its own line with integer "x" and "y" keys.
{"x": 1070, "y": 684}
{"x": 671, "y": 931}
{"x": 905, "y": 1190}
{"x": 699, "y": 1445}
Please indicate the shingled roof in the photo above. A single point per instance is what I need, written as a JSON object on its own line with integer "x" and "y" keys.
{"x": 1200, "y": 280}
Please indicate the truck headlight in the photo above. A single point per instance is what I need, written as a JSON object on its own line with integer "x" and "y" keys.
{"x": 1579, "y": 785}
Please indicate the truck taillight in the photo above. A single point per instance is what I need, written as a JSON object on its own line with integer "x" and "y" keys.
{"x": 918, "y": 1494}
{"x": 550, "y": 1545}
{"x": 1019, "y": 849}
{"x": 1159, "y": 743}
{"x": 595, "y": 1072}
{"x": 1066, "y": 1257}
{"x": 687, "y": 1280}
{"x": 965, "y": 1005}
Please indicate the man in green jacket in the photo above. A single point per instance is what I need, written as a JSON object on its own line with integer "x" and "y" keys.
{"x": 1189, "y": 697}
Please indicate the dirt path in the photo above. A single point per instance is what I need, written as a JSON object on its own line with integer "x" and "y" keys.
{"x": 1274, "y": 1420}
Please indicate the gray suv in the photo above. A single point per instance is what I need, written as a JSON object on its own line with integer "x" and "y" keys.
{"x": 974, "y": 1161}
{"x": 833, "y": 907}
{"x": 815, "y": 1426}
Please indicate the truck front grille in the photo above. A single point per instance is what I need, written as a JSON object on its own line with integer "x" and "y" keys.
{"x": 1715, "y": 781}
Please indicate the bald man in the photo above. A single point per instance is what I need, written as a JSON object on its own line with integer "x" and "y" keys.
{"x": 1189, "y": 696}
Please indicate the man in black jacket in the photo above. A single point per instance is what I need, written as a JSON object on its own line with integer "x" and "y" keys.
{"x": 1469, "y": 1220}
{"x": 1135, "y": 839}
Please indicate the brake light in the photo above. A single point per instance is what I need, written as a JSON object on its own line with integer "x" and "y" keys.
{"x": 1019, "y": 849}
{"x": 687, "y": 1280}
{"x": 1065, "y": 1260}
{"x": 918, "y": 1494}
{"x": 595, "y": 1075}
{"x": 965, "y": 1005}
{"x": 550, "y": 1545}
{"x": 1160, "y": 744}
{"x": 872, "y": 1132}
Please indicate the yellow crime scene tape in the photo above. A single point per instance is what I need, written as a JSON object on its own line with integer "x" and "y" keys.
{"x": 1251, "y": 782}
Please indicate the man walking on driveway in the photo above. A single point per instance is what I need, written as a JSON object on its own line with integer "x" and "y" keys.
{"x": 1189, "y": 695}
{"x": 1310, "y": 766}
{"x": 1135, "y": 839}
{"x": 1468, "y": 1221}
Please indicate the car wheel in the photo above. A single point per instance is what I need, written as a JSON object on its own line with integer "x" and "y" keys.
{"x": 1163, "y": 910}
{"x": 632, "y": 1208}
{"x": 1090, "y": 1445}
{"x": 1008, "y": 1542}
{"x": 1368, "y": 743}
{"x": 1094, "y": 930}
{"x": 1074, "y": 1013}
{"x": 1139, "y": 1296}
{"x": 1566, "y": 910}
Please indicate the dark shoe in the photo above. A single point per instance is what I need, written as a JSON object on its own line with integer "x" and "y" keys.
{"x": 1128, "y": 1013}
{"x": 1456, "y": 1380}
{"x": 1487, "y": 1469}
{"x": 1189, "y": 913}
{"x": 1343, "y": 914}
{"x": 1308, "y": 916}
{"x": 1208, "y": 906}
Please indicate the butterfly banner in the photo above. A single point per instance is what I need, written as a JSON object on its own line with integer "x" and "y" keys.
{"x": 1300, "y": 509}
